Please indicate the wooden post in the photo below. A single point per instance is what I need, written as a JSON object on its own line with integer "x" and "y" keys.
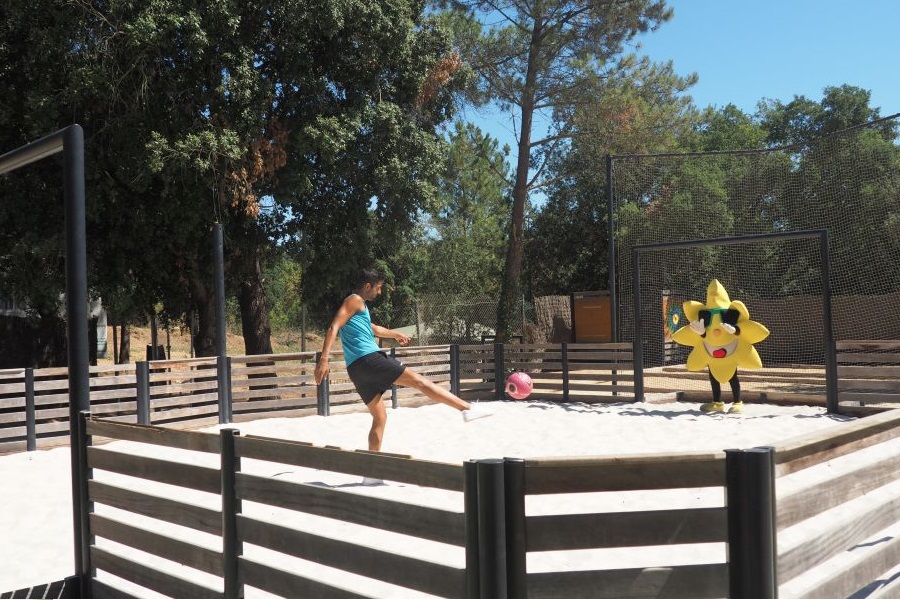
{"x": 491, "y": 529}
{"x": 470, "y": 495}
{"x": 514, "y": 501}
{"x": 750, "y": 497}
{"x": 142, "y": 383}
{"x": 454, "y": 369}
{"x": 232, "y": 548}
{"x": 499, "y": 372}
{"x": 30, "y": 412}
{"x": 322, "y": 407}
{"x": 394, "y": 401}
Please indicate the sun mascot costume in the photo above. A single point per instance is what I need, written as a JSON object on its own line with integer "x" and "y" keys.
{"x": 722, "y": 336}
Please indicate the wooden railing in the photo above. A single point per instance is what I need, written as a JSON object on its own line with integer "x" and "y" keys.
{"x": 185, "y": 393}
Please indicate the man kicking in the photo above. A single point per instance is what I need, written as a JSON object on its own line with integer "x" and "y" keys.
{"x": 371, "y": 370}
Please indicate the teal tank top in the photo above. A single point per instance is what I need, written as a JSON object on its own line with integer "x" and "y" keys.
{"x": 357, "y": 338}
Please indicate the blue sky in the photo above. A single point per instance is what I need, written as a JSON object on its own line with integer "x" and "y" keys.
{"x": 747, "y": 50}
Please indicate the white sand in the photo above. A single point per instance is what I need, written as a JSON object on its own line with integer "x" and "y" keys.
{"x": 36, "y": 516}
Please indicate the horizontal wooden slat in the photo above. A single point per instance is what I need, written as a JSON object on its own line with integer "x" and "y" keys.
{"x": 836, "y": 536}
{"x": 160, "y": 436}
{"x": 868, "y": 385}
{"x": 821, "y": 446}
{"x": 871, "y": 371}
{"x": 404, "y": 571}
{"x": 157, "y": 507}
{"x": 867, "y": 345}
{"x": 144, "y": 576}
{"x": 869, "y": 398}
{"x": 104, "y": 591}
{"x": 687, "y": 581}
{"x": 859, "y": 574}
{"x": 416, "y": 472}
{"x": 868, "y": 357}
{"x": 625, "y": 529}
{"x": 156, "y": 544}
{"x": 647, "y": 472}
{"x": 409, "y": 519}
{"x": 288, "y": 585}
{"x": 154, "y": 469}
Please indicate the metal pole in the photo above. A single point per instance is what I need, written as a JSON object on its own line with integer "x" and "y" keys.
{"x": 221, "y": 333}
{"x": 750, "y": 497}
{"x": 564, "y": 355}
{"x": 30, "y": 416}
{"x": 637, "y": 346}
{"x": 303, "y": 328}
{"x": 84, "y": 505}
{"x": 70, "y": 141}
{"x": 611, "y": 252}
{"x": 322, "y": 408}
{"x": 222, "y": 384}
{"x": 831, "y": 379}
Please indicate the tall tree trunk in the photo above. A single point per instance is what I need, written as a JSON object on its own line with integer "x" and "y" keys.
{"x": 125, "y": 345}
{"x": 511, "y": 289}
{"x": 254, "y": 312}
{"x": 204, "y": 338}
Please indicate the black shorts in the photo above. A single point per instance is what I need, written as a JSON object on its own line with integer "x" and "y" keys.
{"x": 373, "y": 374}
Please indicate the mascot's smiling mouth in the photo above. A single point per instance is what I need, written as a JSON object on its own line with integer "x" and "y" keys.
{"x": 720, "y": 351}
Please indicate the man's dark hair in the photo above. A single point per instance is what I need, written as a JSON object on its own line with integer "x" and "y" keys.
{"x": 370, "y": 275}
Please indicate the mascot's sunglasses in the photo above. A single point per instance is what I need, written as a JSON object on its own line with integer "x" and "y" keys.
{"x": 728, "y": 315}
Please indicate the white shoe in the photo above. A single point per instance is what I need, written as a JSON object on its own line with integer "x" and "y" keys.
{"x": 372, "y": 481}
{"x": 476, "y": 412}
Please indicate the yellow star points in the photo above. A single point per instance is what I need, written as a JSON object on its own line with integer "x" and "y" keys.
{"x": 718, "y": 348}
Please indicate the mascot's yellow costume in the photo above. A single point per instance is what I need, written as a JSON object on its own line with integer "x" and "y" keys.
{"x": 722, "y": 336}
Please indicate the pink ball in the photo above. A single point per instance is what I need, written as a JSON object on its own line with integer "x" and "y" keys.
{"x": 519, "y": 385}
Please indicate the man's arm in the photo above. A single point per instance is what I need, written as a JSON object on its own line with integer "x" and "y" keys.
{"x": 384, "y": 332}
{"x": 352, "y": 305}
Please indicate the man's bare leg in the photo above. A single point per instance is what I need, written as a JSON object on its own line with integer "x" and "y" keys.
{"x": 379, "y": 419}
{"x": 410, "y": 378}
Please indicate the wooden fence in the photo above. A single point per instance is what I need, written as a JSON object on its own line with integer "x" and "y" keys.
{"x": 185, "y": 393}
{"x": 189, "y": 514}
{"x": 839, "y": 493}
{"x": 868, "y": 373}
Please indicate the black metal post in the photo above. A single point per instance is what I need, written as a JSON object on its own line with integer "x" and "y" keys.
{"x": 142, "y": 385}
{"x": 499, "y": 372}
{"x": 514, "y": 497}
{"x": 470, "y": 495}
{"x": 637, "y": 344}
{"x": 564, "y": 352}
{"x": 454, "y": 369}
{"x": 84, "y": 505}
{"x": 750, "y": 497}
{"x": 394, "y": 401}
{"x": 831, "y": 378}
{"x": 231, "y": 507}
{"x": 611, "y": 252}
{"x": 30, "y": 412}
{"x": 221, "y": 328}
{"x": 70, "y": 141}
{"x": 223, "y": 368}
{"x": 491, "y": 529}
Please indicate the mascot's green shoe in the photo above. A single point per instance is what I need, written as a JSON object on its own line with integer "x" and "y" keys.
{"x": 712, "y": 407}
{"x": 736, "y": 408}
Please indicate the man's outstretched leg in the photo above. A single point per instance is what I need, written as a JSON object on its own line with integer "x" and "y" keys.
{"x": 410, "y": 378}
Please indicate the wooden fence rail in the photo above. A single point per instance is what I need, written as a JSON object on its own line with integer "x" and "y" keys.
{"x": 34, "y": 403}
{"x": 189, "y": 514}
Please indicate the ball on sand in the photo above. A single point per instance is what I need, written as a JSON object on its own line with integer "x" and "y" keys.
{"x": 519, "y": 385}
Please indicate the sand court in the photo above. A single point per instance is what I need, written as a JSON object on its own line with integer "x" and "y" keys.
{"x": 36, "y": 514}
